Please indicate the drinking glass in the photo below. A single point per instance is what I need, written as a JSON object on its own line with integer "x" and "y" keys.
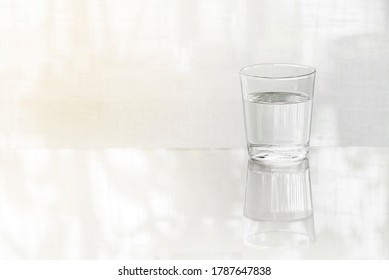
{"x": 277, "y": 103}
{"x": 278, "y": 205}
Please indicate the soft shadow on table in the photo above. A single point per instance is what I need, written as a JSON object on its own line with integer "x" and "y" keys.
{"x": 278, "y": 211}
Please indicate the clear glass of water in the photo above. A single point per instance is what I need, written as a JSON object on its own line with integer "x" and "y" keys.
{"x": 277, "y": 101}
{"x": 278, "y": 208}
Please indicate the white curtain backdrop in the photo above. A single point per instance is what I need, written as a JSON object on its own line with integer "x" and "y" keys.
{"x": 155, "y": 74}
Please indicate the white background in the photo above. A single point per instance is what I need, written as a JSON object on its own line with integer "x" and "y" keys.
{"x": 154, "y": 74}
{"x": 164, "y": 74}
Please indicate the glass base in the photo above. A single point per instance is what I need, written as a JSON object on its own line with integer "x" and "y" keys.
{"x": 277, "y": 153}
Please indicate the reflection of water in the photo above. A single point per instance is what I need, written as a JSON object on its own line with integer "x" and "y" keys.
{"x": 278, "y": 205}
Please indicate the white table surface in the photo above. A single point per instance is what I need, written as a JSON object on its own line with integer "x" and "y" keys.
{"x": 179, "y": 204}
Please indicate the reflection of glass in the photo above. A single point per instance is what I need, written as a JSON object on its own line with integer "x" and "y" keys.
{"x": 278, "y": 205}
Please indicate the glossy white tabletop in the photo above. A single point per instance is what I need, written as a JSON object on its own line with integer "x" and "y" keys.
{"x": 184, "y": 204}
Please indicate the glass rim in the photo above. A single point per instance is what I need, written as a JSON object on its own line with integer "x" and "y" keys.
{"x": 310, "y": 71}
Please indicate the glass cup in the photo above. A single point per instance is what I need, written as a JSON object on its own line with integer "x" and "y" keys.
{"x": 278, "y": 205}
{"x": 277, "y": 103}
